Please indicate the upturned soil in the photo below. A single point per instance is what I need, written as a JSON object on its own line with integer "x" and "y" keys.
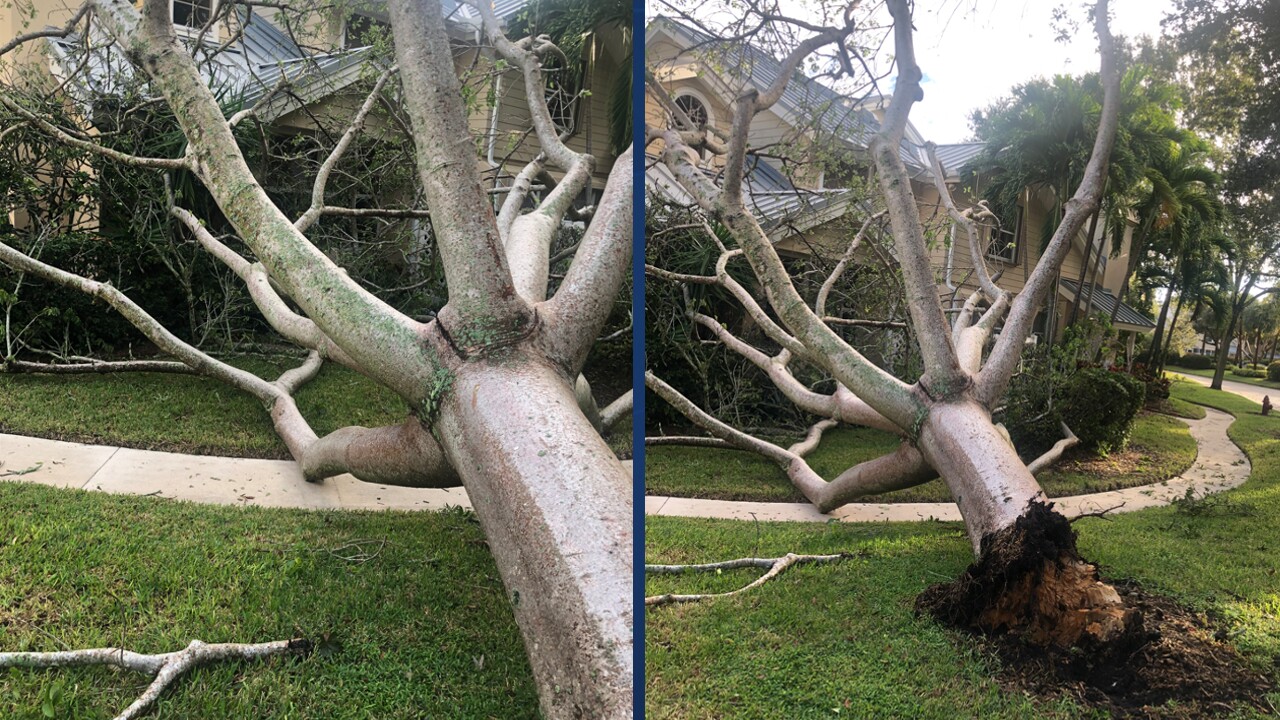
{"x": 1183, "y": 670}
{"x": 1060, "y": 630}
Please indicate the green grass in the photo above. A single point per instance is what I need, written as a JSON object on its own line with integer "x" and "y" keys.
{"x": 423, "y": 629}
{"x": 842, "y": 640}
{"x": 185, "y": 413}
{"x": 199, "y": 415}
{"x": 1160, "y": 448}
{"x": 1177, "y": 407}
{"x": 1260, "y": 382}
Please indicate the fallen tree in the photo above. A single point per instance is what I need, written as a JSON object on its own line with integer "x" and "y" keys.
{"x": 497, "y": 402}
{"x": 1028, "y": 577}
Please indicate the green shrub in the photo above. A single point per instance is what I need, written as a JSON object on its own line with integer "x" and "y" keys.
{"x": 1195, "y": 362}
{"x": 1273, "y": 371}
{"x": 1100, "y": 406}
{"x": 1157, "y": 384}
{"x": 1249, "y": 372}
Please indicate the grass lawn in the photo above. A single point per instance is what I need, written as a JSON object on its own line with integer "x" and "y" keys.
{"x": 193, "y": 414}
{"x": 1177, "y": 407}
{"x": 842, "y": 640}
{"x": 1160, "y": 448}
{"x": 185, "y": 413}
{"x": 421, "y": 630}
{"x": 1260, "y": 382}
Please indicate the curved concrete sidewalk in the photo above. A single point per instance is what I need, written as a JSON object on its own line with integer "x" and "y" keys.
{"x": 1219, "y": 465}
{"x": 203, "y": 478}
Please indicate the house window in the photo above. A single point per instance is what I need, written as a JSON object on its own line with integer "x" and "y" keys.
{"x": 562, "y": 83}
{"x": 694, "y": 108}
{"x": 192, "y": 13}
{"x": 363, "y": 31}
{"x": 1004, "y": 243}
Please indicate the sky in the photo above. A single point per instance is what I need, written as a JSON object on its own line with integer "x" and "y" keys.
{"x": 972, "y": 57}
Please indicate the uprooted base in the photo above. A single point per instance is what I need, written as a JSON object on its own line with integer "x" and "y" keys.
{"x": 1061, "y": 630}
{"x": 1030, "y": 580}
{"x": 1182, "y": 672}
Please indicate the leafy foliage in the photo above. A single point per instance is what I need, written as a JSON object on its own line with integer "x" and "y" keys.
{"x": 1100, "y": 406}
{"x": 1196, "y": 362}
{"x": 1056, "y": 386}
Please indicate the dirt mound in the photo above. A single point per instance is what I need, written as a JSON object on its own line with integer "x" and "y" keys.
{"x": 1060, "y": 630}
{"x": 1182, "y": 662}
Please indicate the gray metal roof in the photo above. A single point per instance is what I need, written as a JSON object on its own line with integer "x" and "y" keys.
{"x": 770, "y": 196}
{"x": 1104, "y": 301}
{"x": 956, "y": 156}
{"x": 240, "y": 75}
{"x": 462, "y": 12}
{"x": 808, "y": 98}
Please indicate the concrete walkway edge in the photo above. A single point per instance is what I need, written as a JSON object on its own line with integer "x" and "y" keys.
{"x": 203, "y": 478}
{"x": 1219, "y": 465}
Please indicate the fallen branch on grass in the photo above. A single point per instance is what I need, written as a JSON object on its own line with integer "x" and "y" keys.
{"x": 775, "y": 566}
{"x": 166, "y": 667}
{"x": 1098, "y": 513}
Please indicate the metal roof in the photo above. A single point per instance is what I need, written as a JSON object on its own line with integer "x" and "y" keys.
{"x": 463, "y": 12}
{"x": 1104, "y": 301}
{"x": 956, "y": 156}
{"x": 808, "y": 98}
{"x": 770, "y": 196}
{"x": 240, "y": 75}
{"x": 251, "y": 66}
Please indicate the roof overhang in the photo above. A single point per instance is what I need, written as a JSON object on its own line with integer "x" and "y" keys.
{"x": 1103, "y": 302}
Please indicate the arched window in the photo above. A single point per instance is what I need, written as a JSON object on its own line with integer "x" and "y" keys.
{"x": 694, "y": 108}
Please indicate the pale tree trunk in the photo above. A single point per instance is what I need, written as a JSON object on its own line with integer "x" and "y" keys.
{"x": 490, "y": 383}
{"x": 1028, "y": 577}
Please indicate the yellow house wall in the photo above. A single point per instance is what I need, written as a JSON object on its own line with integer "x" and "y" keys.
{"x": 512, "y": 138}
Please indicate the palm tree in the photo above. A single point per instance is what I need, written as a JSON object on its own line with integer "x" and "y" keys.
{"x": 1041, "y": 136}
{"x": 1199, "y": 277}
{"x": 1178, "y": 189}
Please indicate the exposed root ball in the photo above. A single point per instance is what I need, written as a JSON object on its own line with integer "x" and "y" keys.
{"x": 1029, "y": 580}
{"x": 1184, "y": 673}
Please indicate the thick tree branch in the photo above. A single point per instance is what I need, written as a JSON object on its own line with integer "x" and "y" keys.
{"x": 517, "y": 193}
{"x": 1045, "y": 461}
{"x": 616, "y": 411}
{"x": 526, "y": 56}
{"x": 484, "y": 309}
{"x": 888, "y": 395}
{"x": 404, "y": 455}
{"x": 582, "y": 304}
{"x": 375, "y": 335}
{"x": 902, "y": 468}
{"x": 943, "y": 374}
{"x": 166, "y": 667}
{"x": 994, "y": 377}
